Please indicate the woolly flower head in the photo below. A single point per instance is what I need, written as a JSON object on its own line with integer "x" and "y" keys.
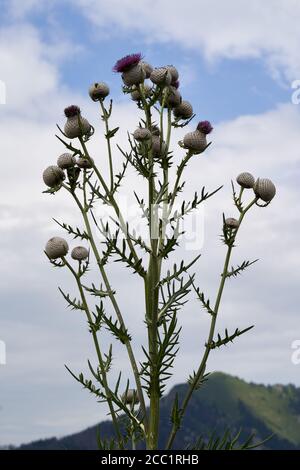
{"x": 71, "y": 111}
{"x": 124, "y": 64}
{"x": 205, "y": 127}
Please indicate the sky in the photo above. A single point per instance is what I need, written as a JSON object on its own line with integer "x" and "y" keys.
{"x": 237, "y": 61}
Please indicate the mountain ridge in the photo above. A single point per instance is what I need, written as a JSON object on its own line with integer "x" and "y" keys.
{"x": 223, "y": 402}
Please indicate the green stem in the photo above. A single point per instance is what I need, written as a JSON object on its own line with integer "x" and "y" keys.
{"x": 111, "y": 200}
{"x": 99, "y": 356}
{"x": 115, "y": 306}
{"x": 201, "y": 369}
{"x": 111, "y": 171}
{"x": 152, "y": 298}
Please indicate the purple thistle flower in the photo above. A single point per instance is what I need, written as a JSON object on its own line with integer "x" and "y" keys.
{"x": 176, "y": 84}
{"x": 72, "y": 110}
{"x": 205, "y": 127}
{"x": 124, "y": 64}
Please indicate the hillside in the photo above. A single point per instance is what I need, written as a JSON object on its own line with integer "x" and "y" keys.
{"x": 223, "y": 402}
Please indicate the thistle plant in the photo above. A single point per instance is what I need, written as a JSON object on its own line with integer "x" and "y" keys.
{"x": 134, "y": 407}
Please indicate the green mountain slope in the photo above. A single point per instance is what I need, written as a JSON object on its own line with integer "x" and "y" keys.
{"x": 223, "y": 402}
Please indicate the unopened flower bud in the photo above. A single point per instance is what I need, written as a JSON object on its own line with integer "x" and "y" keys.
{"x": 196, "y": 141}
{"x": 245, "y": 180}
{"x": 66, "y": 160}
{"x": 136, "y": 95}
{"x": 76, "y": 125}
{"x": 232, "y": 223}
{"x": 134, "y": 75}
{"x": 161, "y": 76}
{"x": 184, "y": 110}
{"x": 174, "y": 73}
{"x": 264, "y": 189}
{"x": 98, "y": 91}
{"x": 158, "y": 148}
{"x": 148, "y": 69}
{"x": 79, "y": 253}
{"x": 85, "y": 163}
{"x": 130, "y": 397}
{"x": 141, "y": 134}
{"x": 56, "y": 247}
{"x": 53, "y": 176}
{"x": 155, "y": 130}
{"x": 173, "y": 97}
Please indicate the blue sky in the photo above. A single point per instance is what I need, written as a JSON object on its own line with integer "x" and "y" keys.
{"x": 237, "y": 70}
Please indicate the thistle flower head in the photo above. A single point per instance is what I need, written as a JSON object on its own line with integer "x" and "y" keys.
{"x": 53, "y": 176}
{"x": 66, "y": 160}
{"x": 184, "y": 110}
{"x": 79, "y": 253}
{"x": 98, "y": 91}
{"x": 130, "y": 397}
{"x": 174, "y": 73}
{"x": 141, "y": 134}
{"x": 56, "y": 247}
{"x": 245, "y": 180}
{"x": 85, "y": 163}
{"x": 232, "y": 223}
{"x": 72, "y": 110}
{"x": 264, "y": 189}
{"x": 124, "y": 64}
{"x": 205, "y": 127}
{"x": 176, "y": 84}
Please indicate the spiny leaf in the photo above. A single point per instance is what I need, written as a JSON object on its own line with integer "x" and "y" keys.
{"x": 235, "y": 271}
{"x": 119, "y": 331}
{"x": 73, "y": 231}
{"x": 177, "y": 271}
{"x": 74, "y": 304}
{"x": 111, "y": 133}
{"x": 228, "y": 338}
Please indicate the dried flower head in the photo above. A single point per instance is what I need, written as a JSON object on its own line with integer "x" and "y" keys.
{"x": 245, "y": 180}
{"x": 72, "y": 110}
{"x": 98, "y": 91}
{"x": 124, "y": 64}
{"x": 53, "y": 176}
{"x": 184, "y": 110}
{"x": 130, "y": 397}
{"x": 232, "y": 223}
{"x": 79, "y": 253}
{"x": 56, "y": 247}
{"x": 205, "y": 127}
{"x": 66, "y": 160}
{"x": 264, "y": 189}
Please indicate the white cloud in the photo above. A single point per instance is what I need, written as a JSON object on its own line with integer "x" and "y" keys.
{"x": 233, "y": 29}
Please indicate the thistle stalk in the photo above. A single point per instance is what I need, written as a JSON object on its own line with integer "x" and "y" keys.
{"x": 202, "y": 367}
{"x": 99, "y": 355}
